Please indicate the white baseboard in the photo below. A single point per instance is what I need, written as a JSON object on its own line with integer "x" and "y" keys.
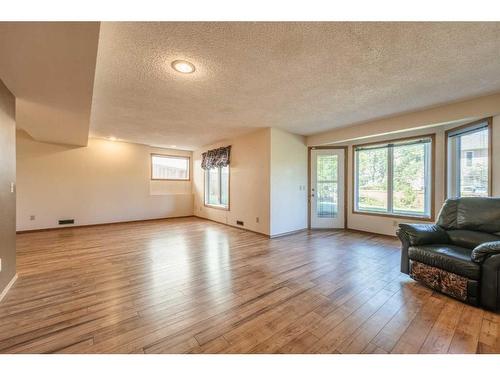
{"x": 288, "y": 233}
{"x": 6, "y": 289}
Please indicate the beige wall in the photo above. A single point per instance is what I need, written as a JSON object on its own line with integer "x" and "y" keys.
{"x": 101, "y": 183}
{"x": 496, "y": 156}
{"x": 288, "y": 182}
{"x": 249, "y": 182}
{"x": 460, "y": 112}
{"x": 268, "y": 181}
{"x": 435, "y": 120}
{"x": 7, "y": 178}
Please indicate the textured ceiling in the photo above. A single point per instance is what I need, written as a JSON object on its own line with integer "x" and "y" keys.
{"x": 301, "y": 77}
{"x": 49, "y": 67}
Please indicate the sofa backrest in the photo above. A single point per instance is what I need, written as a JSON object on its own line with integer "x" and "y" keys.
{"x": 471, "y": 213}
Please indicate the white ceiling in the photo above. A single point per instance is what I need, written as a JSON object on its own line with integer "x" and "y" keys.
{"x": 49, "y": 67}
{"x": 302, "y": 77}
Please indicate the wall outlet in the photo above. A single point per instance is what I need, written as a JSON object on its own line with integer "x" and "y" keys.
{"x": 394, "y": 223}
{"x": 12, "y": 187}
{"x": 32, "y": 217}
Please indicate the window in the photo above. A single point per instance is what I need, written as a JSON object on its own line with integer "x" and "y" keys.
{"x": 394, "y": 178}
{"x": 166, "y": 167}
{"x": 217, "y": 187}
{"x": 326, "y": 185}
{"x": 468, "y": 164}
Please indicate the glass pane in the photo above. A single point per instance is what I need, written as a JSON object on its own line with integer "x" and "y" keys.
{"x": 326, "y": 185}
{"x": 409, "y": 179}
{"x": 372, "y": 180}
{"x": 170, "y": 168}
{"x": 474, "y": 164}
{"x": 327, "y": 166}
{"x": 326, "y": 203}
{"x": 224, "y": 186}
{"x": 213, "y": 186}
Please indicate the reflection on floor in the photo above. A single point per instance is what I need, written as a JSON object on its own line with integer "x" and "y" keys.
{"x": 193, "y": 286}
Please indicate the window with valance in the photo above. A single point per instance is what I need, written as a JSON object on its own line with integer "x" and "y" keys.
{"x": 216, "y": 165}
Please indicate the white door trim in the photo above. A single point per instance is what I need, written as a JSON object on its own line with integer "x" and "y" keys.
{"x": 343, "y": 185}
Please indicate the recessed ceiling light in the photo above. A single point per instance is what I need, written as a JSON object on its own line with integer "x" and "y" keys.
{"x": 183, "y": 66}
{"x": 173, "y": 146}
{"x": 112, "y": 138}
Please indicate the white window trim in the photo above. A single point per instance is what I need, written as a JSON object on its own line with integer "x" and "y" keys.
{"x": 188, "y": 158}
{"x": 429, "y": 171}
{"x": 453, "y": 169}
{"x": 206, "y": 189}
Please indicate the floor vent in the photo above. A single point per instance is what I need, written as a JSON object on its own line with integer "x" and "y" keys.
{"x": 69, "y": 221}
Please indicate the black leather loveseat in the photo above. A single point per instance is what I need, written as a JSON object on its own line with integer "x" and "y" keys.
{"x": 460, "y": 254}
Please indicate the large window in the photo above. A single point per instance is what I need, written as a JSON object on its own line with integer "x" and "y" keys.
{"x": 468, "y": 160}
{"x": 394, "y": 178}
{"x": 217, "y": 187}
{"x": 167, "y": 167}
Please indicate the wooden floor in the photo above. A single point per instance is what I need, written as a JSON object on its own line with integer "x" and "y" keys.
{"x": 193, "y": 286}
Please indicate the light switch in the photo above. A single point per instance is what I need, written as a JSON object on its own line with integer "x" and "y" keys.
{"x": 12, "y": 186}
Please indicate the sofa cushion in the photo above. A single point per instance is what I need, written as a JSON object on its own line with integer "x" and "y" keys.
{"x": 471, "y": 213}
{"x": 450, "y": 258}
{"x": 470, "y": 238}
{"x": 481, "y": 214}
{"x": 447, "y": 217}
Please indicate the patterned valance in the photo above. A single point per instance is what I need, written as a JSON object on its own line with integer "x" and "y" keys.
{"x": 218, "y": 157}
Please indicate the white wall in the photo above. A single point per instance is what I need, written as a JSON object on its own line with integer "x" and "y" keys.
{"x": 248, "y": 182}
{"x": 101, "y": 183}
{"x": 288, "y": 182}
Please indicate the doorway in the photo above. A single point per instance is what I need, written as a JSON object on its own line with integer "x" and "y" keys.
{"x": 327, "y": 188}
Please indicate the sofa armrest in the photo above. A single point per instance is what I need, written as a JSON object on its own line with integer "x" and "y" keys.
{"x": 422, "y": 234}
{"x": 490, "y": 282}
{"x": 483, "y": 251}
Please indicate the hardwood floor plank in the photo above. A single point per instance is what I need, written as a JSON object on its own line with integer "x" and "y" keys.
{"x": 389, "y": 335}
{"x": 489, "y": 337}
{"x": 358, "y": 341}
{"x": 189, "y": 285}
{"x": 439, "y": 338}
{"x": 466, "y": 337}
{"x": 416, "y": 333}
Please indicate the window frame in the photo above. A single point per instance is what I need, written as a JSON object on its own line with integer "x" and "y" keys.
{"x": 217, "y": 206}
{"x": 432, "y": 175}
{"x": 175, "y": 157}
{"x": 489, "y": 121}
